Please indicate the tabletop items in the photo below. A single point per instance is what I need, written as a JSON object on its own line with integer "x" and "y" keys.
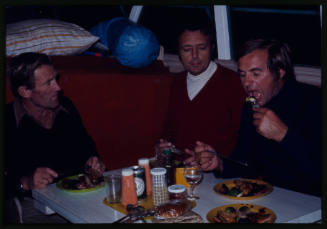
{"x": 113, "y": 187}
{"x": 159, "y": 186}
{"x": 243, "y": 189}
{"x": 241, "y": 213}
{"x": 144, "y": 162}
{"x": 129, "y": 195}
{"x": 78, "y": 183}
{"x": 144, "y": 206}
{"x": 139, "y": 179}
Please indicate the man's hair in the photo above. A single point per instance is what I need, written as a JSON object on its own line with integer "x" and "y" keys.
{"x": 198, "y": 21}
{"x": 279, "y": 55}
{"x": 22, "y": 67}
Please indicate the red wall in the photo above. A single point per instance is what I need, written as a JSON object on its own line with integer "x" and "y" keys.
{"x": 123, "y": 109}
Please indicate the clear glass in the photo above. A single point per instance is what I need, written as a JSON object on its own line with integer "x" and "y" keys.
{"x": 193, "y": 175}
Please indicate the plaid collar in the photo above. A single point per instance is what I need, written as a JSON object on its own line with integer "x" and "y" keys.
{"x": 20, "y": 111}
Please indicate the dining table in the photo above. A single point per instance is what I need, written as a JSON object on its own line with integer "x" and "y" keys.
{"x": 89, "y": 207}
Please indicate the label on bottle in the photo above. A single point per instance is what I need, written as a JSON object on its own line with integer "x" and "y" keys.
{"x": 140, "y": 186}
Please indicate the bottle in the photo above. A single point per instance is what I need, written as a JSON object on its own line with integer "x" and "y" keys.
{"x": 179, "y": 177}
{"x": 165, "y": 161}
{"x": 144, "y": 162}
{"x": 159, "y": 186}
{"x": 140, "y": 183}
{"x": 129, "y": 195}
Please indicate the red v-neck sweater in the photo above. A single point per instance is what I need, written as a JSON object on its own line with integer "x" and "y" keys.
{"x": 213, "y": 116}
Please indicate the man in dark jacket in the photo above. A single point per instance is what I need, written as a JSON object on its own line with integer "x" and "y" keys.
{"x": 45, "y": 136}
{"x": 280, "y": 134}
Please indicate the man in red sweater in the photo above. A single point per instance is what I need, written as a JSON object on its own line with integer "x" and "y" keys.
{"x": 206, "y": 100}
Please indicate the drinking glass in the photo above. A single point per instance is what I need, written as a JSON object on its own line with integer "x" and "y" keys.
{"x": 193, "y": 175}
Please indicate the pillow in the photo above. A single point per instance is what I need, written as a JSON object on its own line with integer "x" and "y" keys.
{"x": 52, "y": 37}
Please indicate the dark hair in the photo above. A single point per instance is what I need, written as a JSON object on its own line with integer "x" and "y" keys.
{"x": 22, "y": 67}
{"x": 198, "y": 21}
{"x": 279, "y": 55}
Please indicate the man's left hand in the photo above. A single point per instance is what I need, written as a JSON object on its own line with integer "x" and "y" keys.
{"x": 96, "y": 164}
{"x": 268, "y": 124}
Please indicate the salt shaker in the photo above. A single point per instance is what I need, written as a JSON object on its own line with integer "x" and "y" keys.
{"x": 128, "y": 195}
{"x": 159, "y": 186}
{"x": 144, "y": 162}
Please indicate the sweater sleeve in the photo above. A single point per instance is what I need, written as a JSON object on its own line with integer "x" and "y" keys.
{"x": 169, "y": 128}
{"x": 241, "y": 151}
{"x": 303, "y": 141}
{"x": 235, "y": 97}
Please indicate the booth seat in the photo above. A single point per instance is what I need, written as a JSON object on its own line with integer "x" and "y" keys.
{"x": 123, "y": 109}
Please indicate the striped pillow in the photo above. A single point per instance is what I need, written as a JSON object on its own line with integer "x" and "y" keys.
{"x": 52, "y": 37}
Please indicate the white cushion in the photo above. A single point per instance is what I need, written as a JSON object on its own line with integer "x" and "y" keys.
{"x": 52, "y": 37}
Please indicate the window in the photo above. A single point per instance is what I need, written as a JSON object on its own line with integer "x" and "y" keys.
{"x": 165, "y": 21}
{"x": 297, "y": 25}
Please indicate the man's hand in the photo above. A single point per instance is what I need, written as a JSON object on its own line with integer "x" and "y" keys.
{"x": 203, "y": 155}
{"x": 161, "y": 145}
{"x": 268, "y": 124}
{"x": 40, "y": 179}
{"x": 95, "y": 164}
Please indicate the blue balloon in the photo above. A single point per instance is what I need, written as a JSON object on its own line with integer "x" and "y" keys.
{"x": 131, "y": 44}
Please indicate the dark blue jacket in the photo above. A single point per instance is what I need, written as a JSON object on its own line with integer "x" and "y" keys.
{"x": 295, "y": 162}
{"x": 65, "y": 147}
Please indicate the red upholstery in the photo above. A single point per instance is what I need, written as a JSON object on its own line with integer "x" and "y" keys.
{"x": 123, "y": 109}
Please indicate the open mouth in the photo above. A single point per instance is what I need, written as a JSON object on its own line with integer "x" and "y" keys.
{"x": 254, "y": 98}
{"x": 255, "y": 94}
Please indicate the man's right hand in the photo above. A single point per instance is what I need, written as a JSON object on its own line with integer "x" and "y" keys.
{"x": 204, "y": 155}
{"x": 161, "y": 145}
{"x": 40, "y": 179}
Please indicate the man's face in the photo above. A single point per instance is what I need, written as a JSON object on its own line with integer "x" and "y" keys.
{"x": 45, "y": 92}
{"x": 256, "y": 79}
{"x": 194, "y": 51}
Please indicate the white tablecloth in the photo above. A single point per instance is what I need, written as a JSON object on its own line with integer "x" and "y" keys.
{"x": 289, "y": 206}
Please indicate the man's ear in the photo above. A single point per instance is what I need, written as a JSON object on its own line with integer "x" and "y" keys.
{"x": 24, "y": 92}
{"x": 281, "y": 73}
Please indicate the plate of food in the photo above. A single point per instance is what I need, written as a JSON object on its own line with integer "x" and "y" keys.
{"x": 176, "y": 211}
{"x": 243, "y": 189}
{"x": 241, "y": 213}
{"x": 80, "y": 183}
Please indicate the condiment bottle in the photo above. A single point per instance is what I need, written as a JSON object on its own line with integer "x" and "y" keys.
{"x": 129, "y": 195}
{"x": 179, "y": 177}
{"x": 159, "y": 186}
{"x": 177, "y": 192}
{"x": 165, "y": 161}
{"x": 144, "y": 162}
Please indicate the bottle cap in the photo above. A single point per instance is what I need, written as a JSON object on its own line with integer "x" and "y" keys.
{"x": 127, "y": 172}
{"x": 176, "y": 188}
{"x": 143, "y": 161}
{"x": 158, "y": 171}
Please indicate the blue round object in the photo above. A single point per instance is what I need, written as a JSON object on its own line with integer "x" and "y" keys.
{"x": 133, "y": 45}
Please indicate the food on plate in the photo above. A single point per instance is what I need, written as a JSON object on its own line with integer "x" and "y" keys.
{"x": 244, "y": 188}
{"x": 172, "y": 209}
{"x": 244, "y": 214}
{"x": 188, "y": 217}
{"x": 82, "y": 181}
{"x": 252, "y": 100}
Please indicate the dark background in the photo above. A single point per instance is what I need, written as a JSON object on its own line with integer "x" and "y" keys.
{"x": 301, "y": 30}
